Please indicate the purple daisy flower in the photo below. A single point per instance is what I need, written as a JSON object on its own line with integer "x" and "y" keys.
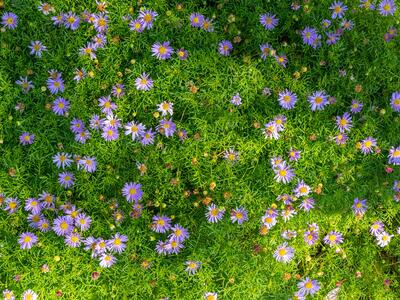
{"x": 395, "y": 101}
{"x": 208, "y": 25}
{"x": 276, "y": 161}
{"x": 333, "y": 238}
{"x": 268, "y": 220}
{"x": 45, "y": 8}
{"x": 210, "y": 296}
{"x": 326, "y": 23}
{"x": 356, "y": 106}
{"x": 33, "y": 205}
{"x": 192, "y": 266}
{"x": 338, "y": 9}
{"x": 161, "y": 248}
{"x": 173, "y": 247}
{"x": 144, "y": 82}
{"x": 225, "y": 47}
{"x": 37, "y": 48}
{"x": 265, "y": 50}
{"x": 136, "y": 25}
{"x": 26, "y": 138}
{"x": 9, "y": 20}
{"x": 347, "y": 24}
{"x": 95, "y": 122}
{"x": 376, "y": 228}
{"x": 112, "y": 121}
{"x": 310, "y": 36}
{"x": 47, "y": 200}
{"x": 118, "y": 90}
{"x": 165, "y": 108}
{"x": 301, "y": 189}
{"x": 60, "y": 106}
{"x": 308, "y": 287}
{"x": 79, "y": 74}
{"x": 236, "y": 100}
{"x": 110, "y": 133}
{"x": 8, "y": 295}
{"x": 284, "y": 253}
{"x": 58, "y": 20}
{"x": 231, "y": 155}
{"x": 383, "y": 239}
{"x": 63, "y": 225}
{"x": 179, "y": 233}
{"x": 55, "y": 85}
{"x": 166, "y": 127}
{"x": 269, "y": 21}
{"x": 344, "y": 123}
{"x": 341, "y": 139}
{"x": 66, "y": 179}
{"x": 394, "y": 156}
{"x": 99, "y": 41}
{"x": 294, "y": 155}
{"x": 27, "y": 240}
{"x": 107, "y": 106}
{"x": 239, "y": 215}
{"x": 101, "y": 22}
{"x": 387, "y": 7}
{"x": 332, "y": 38}
{"x": 287, "y": 99}
{"x": 132, "y": 191}
{"x": 87, "y": 163}
{"x": 310, "y": 237}
{"x": 396, "y": 186}
{"x": 182, "y": 134}
{"x": 147, "y": 16}
{"x": 367, "y": 144}
{"x": 83, "y": 221}
{"x": 318, "y": 100}
{"x": 77, "y": 126}
{"x": 148, "y": 137}
{"x": 281, "y": 59}
{"x": 73, "y": 240}
{"x": 161, "y": 224}
{"x": 29, "y": 295}
{"x": 82, "y": 136}
{"x": 214, "y": 214}
{"x": 271, "y": 130}
{"x": 283, "y": 173}
{"x": 62, "y": 160}
{"x": 34, "y": 219}
{"x": 196, "y": 20}
{"x": 136, "y": 130}
{"x": 307, "y": 204}
{"x": 182, "y": 54}
{"x": 360, "y": 206}
{"x": 88, "y": 50}
{"x": 367, "y": 4}
{"x": 162, "y": 50}
{"x": 107, "y": 260}
{"x": 289, "y": 234}
{"x": 43, "y": 225}
{"x": 25, "y": 84}
{"x": 117, "y": 243}
{"x": 70, "y": 20}
{"x": 285, "y": 198}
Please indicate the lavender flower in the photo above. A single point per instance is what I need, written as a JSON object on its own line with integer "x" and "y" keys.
{"x": 27, "y": 240}
{"x": 9, "y": 20}
{"x": 161, "y": 224}
{"x": 144, "y": 82}
{"x": 269, "y": 21}
{"x": 214, "y": 214}
{"x": 287, "y": 99}
{"x": 37, "y": 48}
{"x": 333, "y": 238}
{"x": 308, "y": 286}
{"x": 26, "y": 138}
{"x": 239, "y": 215}
{"x": 225, "y": 47}
{"x": 394, "y": 156}
{"x": 318, "y": 100}
{"x": 284, "y": 253}
{"x": 132, "y": 191}
{"x": 62, "y": 160}
{"x": 338, "y": 9}
{"x": 60, "y": 106}
{"x": 162, "y": 50}
{"x": 395, "y": 101}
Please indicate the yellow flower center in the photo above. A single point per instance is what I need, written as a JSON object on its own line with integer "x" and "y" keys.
{"x": 132, "y": 191}
{"x": 318, "y": 100}
{"x": 282, "y": 173}
{"x": 147, "y": 18}
{"x": 64, "y": 225}
{"x": 27, "y": 239}
{"x": 282, "y": 252}
{"x": 162, "y": 50}
{"x": 308, "y": 285}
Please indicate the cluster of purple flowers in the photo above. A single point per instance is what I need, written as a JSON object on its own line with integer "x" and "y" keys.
{"x": 268, "y": 51}
{"x": 174, "y": 243}
{"x": 311, "y": 235}
{"x": 389, "y": 35}
{"x": 63, "y": 160}
{"x": 382, "y": 237}
{"x": 143, "y": 22}
{"x": 105, "y": 250}
{"x": 200, "y": 21}
{"x": 273, "y": 128}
